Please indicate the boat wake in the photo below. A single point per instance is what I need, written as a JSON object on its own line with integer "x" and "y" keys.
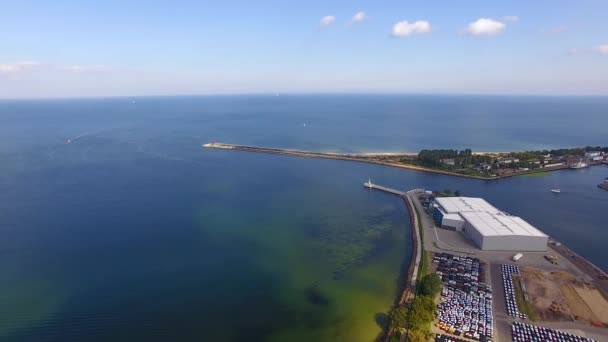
{"x": 78, "y": 137}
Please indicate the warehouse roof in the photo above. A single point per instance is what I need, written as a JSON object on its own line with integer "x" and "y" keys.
{"x": 454, "y": 217}
{"x": 452, "y": 205}
{"x": 485, "y": 218}
{"x": 500, "y": 224}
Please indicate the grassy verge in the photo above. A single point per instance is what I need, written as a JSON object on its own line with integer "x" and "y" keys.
{"x": 536, "y": 174}
{"x": 423, "y": 268}
{"x": 523, "y": 306}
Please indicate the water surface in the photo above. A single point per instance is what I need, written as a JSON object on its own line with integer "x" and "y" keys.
{"x": 133, "y": 232}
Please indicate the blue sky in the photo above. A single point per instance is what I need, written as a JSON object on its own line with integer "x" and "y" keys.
{"x": 125, "y": 48}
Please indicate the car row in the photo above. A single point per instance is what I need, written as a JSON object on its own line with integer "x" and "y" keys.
{"x": 507, "y": 271}
{"x": 522, "y": 332}
{"x": 448, "y": 338}
{"x": 466, "y": 314}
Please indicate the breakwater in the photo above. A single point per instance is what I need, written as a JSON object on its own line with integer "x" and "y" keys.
{"x": 356, "y": 157}
{"x": 386, "y": 159}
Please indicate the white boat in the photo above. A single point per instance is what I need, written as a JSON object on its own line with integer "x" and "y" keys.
{"x": 580, "y": 165}
{"x": 556, "y": 191}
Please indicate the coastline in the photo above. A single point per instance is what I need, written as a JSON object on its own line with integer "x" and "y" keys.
{"x": 355, "y": 157}
{"x": 368, "y": 158}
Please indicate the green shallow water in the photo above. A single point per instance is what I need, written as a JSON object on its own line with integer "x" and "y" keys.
{"x": 215, "y": 247}
{"x": 133, "y": 232}
{"x": 338, "y": 256}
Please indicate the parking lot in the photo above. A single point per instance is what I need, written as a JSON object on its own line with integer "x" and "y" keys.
{"x": 462, "y": 272}
{"x": 466, "y": 300}
{"x": 448, "y": 338}
{"x": 522, "y": 332}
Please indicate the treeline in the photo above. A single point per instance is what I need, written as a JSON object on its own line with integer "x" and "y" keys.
{"x": 562, "y": 152}
{"x": 462, "y": 158}
{"x": 421, "y": 311}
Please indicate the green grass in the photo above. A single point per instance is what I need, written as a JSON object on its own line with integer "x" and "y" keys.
{"x": 523, "y": 306}
{"x": 423, "y": 268}
{"x": 536, "y": 174}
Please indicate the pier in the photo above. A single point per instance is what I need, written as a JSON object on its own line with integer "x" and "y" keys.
{"x": 370, "y": 186}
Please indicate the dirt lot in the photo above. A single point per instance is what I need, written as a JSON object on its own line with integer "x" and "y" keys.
{"x": 571, "y": 297}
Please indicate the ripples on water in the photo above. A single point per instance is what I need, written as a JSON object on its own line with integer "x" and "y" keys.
{"x": 136, "y": 233}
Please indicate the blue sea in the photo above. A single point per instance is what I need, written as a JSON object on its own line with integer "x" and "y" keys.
{"x": 116, "y": 225}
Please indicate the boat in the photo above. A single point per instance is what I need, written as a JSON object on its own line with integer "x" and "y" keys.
{"x": 580, "y": 165}
{"x": 556, "y": 191}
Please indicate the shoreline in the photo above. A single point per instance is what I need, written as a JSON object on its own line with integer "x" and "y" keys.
{"x": 355, "y": 157}
{"x": 366, "y": 158}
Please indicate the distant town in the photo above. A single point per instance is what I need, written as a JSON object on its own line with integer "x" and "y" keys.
{"x": 493, "y": 165}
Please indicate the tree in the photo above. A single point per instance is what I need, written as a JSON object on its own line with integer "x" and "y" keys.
{"x": 398, "y": 317}
{"x": 447, "y": 192}
{"x": 423, "y": 309}
{"x": 430, "y": 285}
{"x": 457, "y": 193}
{"x": 417, "y": 336}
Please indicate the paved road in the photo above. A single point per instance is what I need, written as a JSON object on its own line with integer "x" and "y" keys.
{"x": 502, "y": 321}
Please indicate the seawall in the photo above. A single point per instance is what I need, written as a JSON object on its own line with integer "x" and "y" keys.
{"x": 361, "y": 158}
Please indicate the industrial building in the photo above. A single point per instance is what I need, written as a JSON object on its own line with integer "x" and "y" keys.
{"x": 487, "y": 226}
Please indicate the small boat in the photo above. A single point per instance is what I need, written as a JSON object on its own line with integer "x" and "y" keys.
{"x": 580, "y": 165}
{"x": 556, "y": 191}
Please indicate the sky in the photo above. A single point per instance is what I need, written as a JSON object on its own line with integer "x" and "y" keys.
{"x": 133, "y": 48}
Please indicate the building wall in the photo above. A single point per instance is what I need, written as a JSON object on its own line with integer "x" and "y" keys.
{"x": 473, "y": 234}
{"x": 437, "y": 215}
{"x": 515, "y": 243}
{"x": 456, "y": 224}
{"x": 506, "y": 243}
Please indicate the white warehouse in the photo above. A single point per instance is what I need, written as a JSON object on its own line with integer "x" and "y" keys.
{"x": 490, "y": 228}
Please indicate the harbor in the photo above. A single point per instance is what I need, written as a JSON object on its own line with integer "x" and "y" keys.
{"x": 551, "y": 258}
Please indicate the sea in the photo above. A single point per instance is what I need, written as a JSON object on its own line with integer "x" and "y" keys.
{"x": 116, "y": 225}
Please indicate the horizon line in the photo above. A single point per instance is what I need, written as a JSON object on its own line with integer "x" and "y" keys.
{"x": 291, "y": 93}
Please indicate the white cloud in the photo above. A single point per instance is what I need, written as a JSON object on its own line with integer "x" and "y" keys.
{"x": 18, "y": 66}
{"x": 22, "y": 66}
{"x": 602, "y": 49}
{"x": 510, "y": 18}
{"x": 359, "y": 17}
{"x": 85, "y": 68}
{"x": 327, "y": 21}
{"x": 405, "y": 28}
{"x": 485, "y": 27}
